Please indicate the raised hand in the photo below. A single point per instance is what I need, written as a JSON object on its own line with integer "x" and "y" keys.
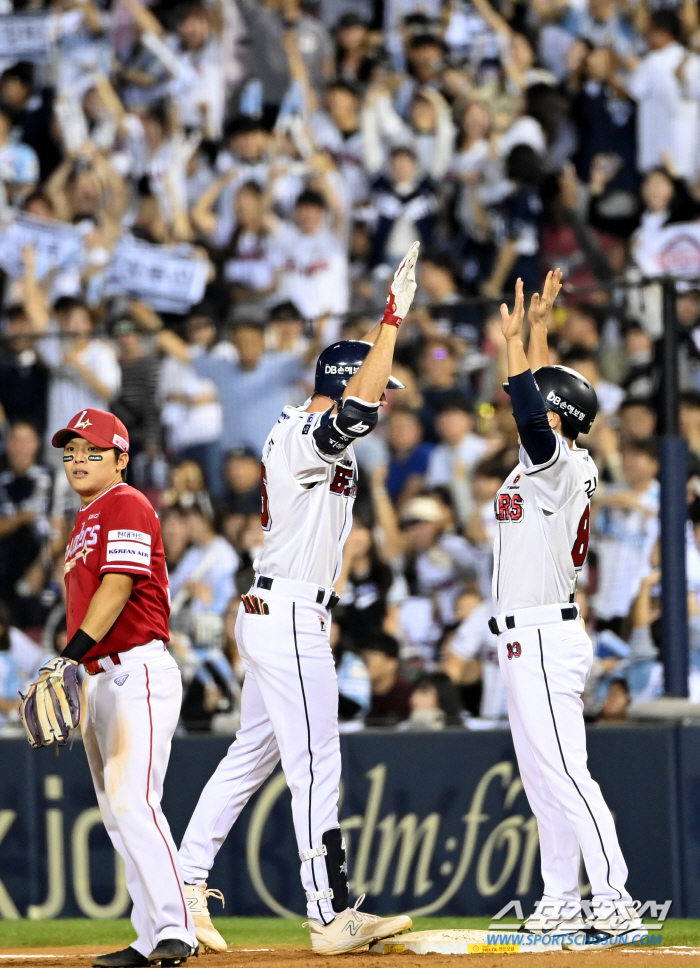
{"x": 512, "y": 324}
{"x": 403, "y": 288}
{"x": 541, "y": 306}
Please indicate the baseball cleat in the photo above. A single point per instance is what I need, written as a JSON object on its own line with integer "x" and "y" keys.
{"x": 127, "y": 958}
{"x": 196, "y": 896}
{"x": 551, "y": 917}
{"x": 354, "y": 929}
{"x": 170, "y": 952}
{"x": 623, "y": 922}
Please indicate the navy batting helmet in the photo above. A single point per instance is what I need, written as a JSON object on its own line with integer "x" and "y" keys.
{"x": 569, "y": 394}
{"x": 338, "y": 363}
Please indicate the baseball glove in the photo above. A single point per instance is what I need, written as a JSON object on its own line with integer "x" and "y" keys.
{"x": 51, "y": 708}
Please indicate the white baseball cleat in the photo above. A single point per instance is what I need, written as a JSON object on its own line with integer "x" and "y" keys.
{"x": 622, "y": 922}
{"x": 196, "y": 897}
{"x": 551, "y": 917}
{"x": 542, "y": 924}
{"x": 354, "y": 929}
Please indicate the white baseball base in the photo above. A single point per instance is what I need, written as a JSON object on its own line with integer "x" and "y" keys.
{"x": 463, "y": 942}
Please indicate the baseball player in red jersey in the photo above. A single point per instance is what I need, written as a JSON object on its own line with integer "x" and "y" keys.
{"x": 118, "y": 606}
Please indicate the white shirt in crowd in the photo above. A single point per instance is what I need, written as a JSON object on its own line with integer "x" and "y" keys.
{"x": 69, "y": 393}
{"x": 474, "y": 640}
{"x": 444, "y": 457}
{"x": 188, "y": 422}
{"x": 623, "y": 542}
{"x": 668, "y": 120}
{"x": 314, "y": 271}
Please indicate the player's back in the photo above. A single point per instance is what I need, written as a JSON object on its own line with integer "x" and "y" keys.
{"x": 543, "y": 515}
{"x": 307, "y": 502}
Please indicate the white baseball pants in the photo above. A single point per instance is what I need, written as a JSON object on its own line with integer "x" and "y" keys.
{"x": 130, "y": 712}
{"x": 289, "y": 710}
{"x": 544, "y": 669}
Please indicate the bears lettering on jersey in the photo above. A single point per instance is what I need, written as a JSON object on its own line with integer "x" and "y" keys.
{"x": 343, "y": 481}
{"x": 509, "y": 507}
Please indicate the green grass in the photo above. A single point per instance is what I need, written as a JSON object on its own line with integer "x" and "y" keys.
{"x": 250, "y": 932}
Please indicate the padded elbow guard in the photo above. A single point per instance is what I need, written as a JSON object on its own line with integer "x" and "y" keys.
{"x": 354, "y": 419}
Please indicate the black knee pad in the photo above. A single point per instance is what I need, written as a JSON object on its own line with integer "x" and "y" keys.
{"x": 337, "y": 867}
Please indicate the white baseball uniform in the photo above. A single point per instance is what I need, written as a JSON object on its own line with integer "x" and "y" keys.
{"x": 545, "y": 655}
{"x": 474, "y": 640}
{"x": 289, "y": 703}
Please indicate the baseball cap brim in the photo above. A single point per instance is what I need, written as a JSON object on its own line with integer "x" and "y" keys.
{"x": 395, "y": 384}
{"x": 61, "y": 438}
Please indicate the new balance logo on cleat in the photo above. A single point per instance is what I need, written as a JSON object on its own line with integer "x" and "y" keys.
{"x": 353, "y": 927}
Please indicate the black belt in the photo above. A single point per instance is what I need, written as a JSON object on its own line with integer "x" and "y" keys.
{"x": 567, "y": 615}
{"x": 264, "y": 582}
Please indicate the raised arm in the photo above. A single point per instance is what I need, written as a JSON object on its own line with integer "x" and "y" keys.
{"x": 536, "y": 436}
{"x": 539, "y": 316}
{"x": 370, "y": 381}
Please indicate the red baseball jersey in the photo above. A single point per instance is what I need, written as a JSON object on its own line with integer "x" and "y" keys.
{"x": 119, "y": 532}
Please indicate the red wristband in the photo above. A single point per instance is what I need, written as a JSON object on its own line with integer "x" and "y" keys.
{"x": 390, "y": 318}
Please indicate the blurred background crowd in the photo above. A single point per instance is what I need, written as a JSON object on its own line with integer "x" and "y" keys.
{"x": 197, "y": 197}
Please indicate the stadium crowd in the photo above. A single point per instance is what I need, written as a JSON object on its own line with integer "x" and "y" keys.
{"x": 197, "y": 197}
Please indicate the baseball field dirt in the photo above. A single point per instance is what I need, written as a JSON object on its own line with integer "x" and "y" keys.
{"x": 277, "y": 943}
{"x": 79, "y": 956}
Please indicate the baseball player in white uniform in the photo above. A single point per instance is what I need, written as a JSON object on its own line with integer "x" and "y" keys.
{"x": 543, "y": 517}
{"x": 289, "y": 703}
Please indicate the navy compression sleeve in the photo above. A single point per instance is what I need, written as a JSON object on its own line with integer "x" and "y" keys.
{"x": 536, "y": 436}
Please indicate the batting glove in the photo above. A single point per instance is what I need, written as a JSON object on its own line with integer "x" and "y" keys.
{"x": 403, "y": 289}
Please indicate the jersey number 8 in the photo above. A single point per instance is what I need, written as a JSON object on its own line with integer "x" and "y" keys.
{"x": 265, "y": 518}
{"x": 580, "y": 548}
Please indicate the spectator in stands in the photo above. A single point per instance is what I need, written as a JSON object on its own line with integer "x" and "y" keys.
{"x": 18, "y": 162}
{"x": 369, "y": 592}
{"x": 624, "y": 530}
{"x": 470, "y": 655}
{"x": 689, "y": 418}
{"x": 312, "y": 262}
{"x": 434, "y": 703}
{"x": 25, "y": 507}
{"x": 517, "y": 239}
{"x": 439, "y": 377}
{"x": 202, "y": 584}
{"x": 391, "y": 691}
{"x": 354, "y": 687}
{"x": 24, "y": 378}
{"x": 452, "y": 462}
{"x": 24, "y": 657}
{"x": 435, "y": 559}
{"x": 409, "y": 454}
{"x": 85, "y": 371}
{"x": 242, "y": 495}
{"x": 666, "y": 85}
{"x": 637, "y": 419}
{"x": 405, "y": 204}
{"x": 254, "y": 388}
{"x": 32, "y": 114}
{"x": 136, "y": 405}
{"x": 173, "y": 525}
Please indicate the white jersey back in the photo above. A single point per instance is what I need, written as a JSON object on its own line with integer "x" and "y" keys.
{"x": 544, "y": 524}
{"x": 307, "y": 502}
